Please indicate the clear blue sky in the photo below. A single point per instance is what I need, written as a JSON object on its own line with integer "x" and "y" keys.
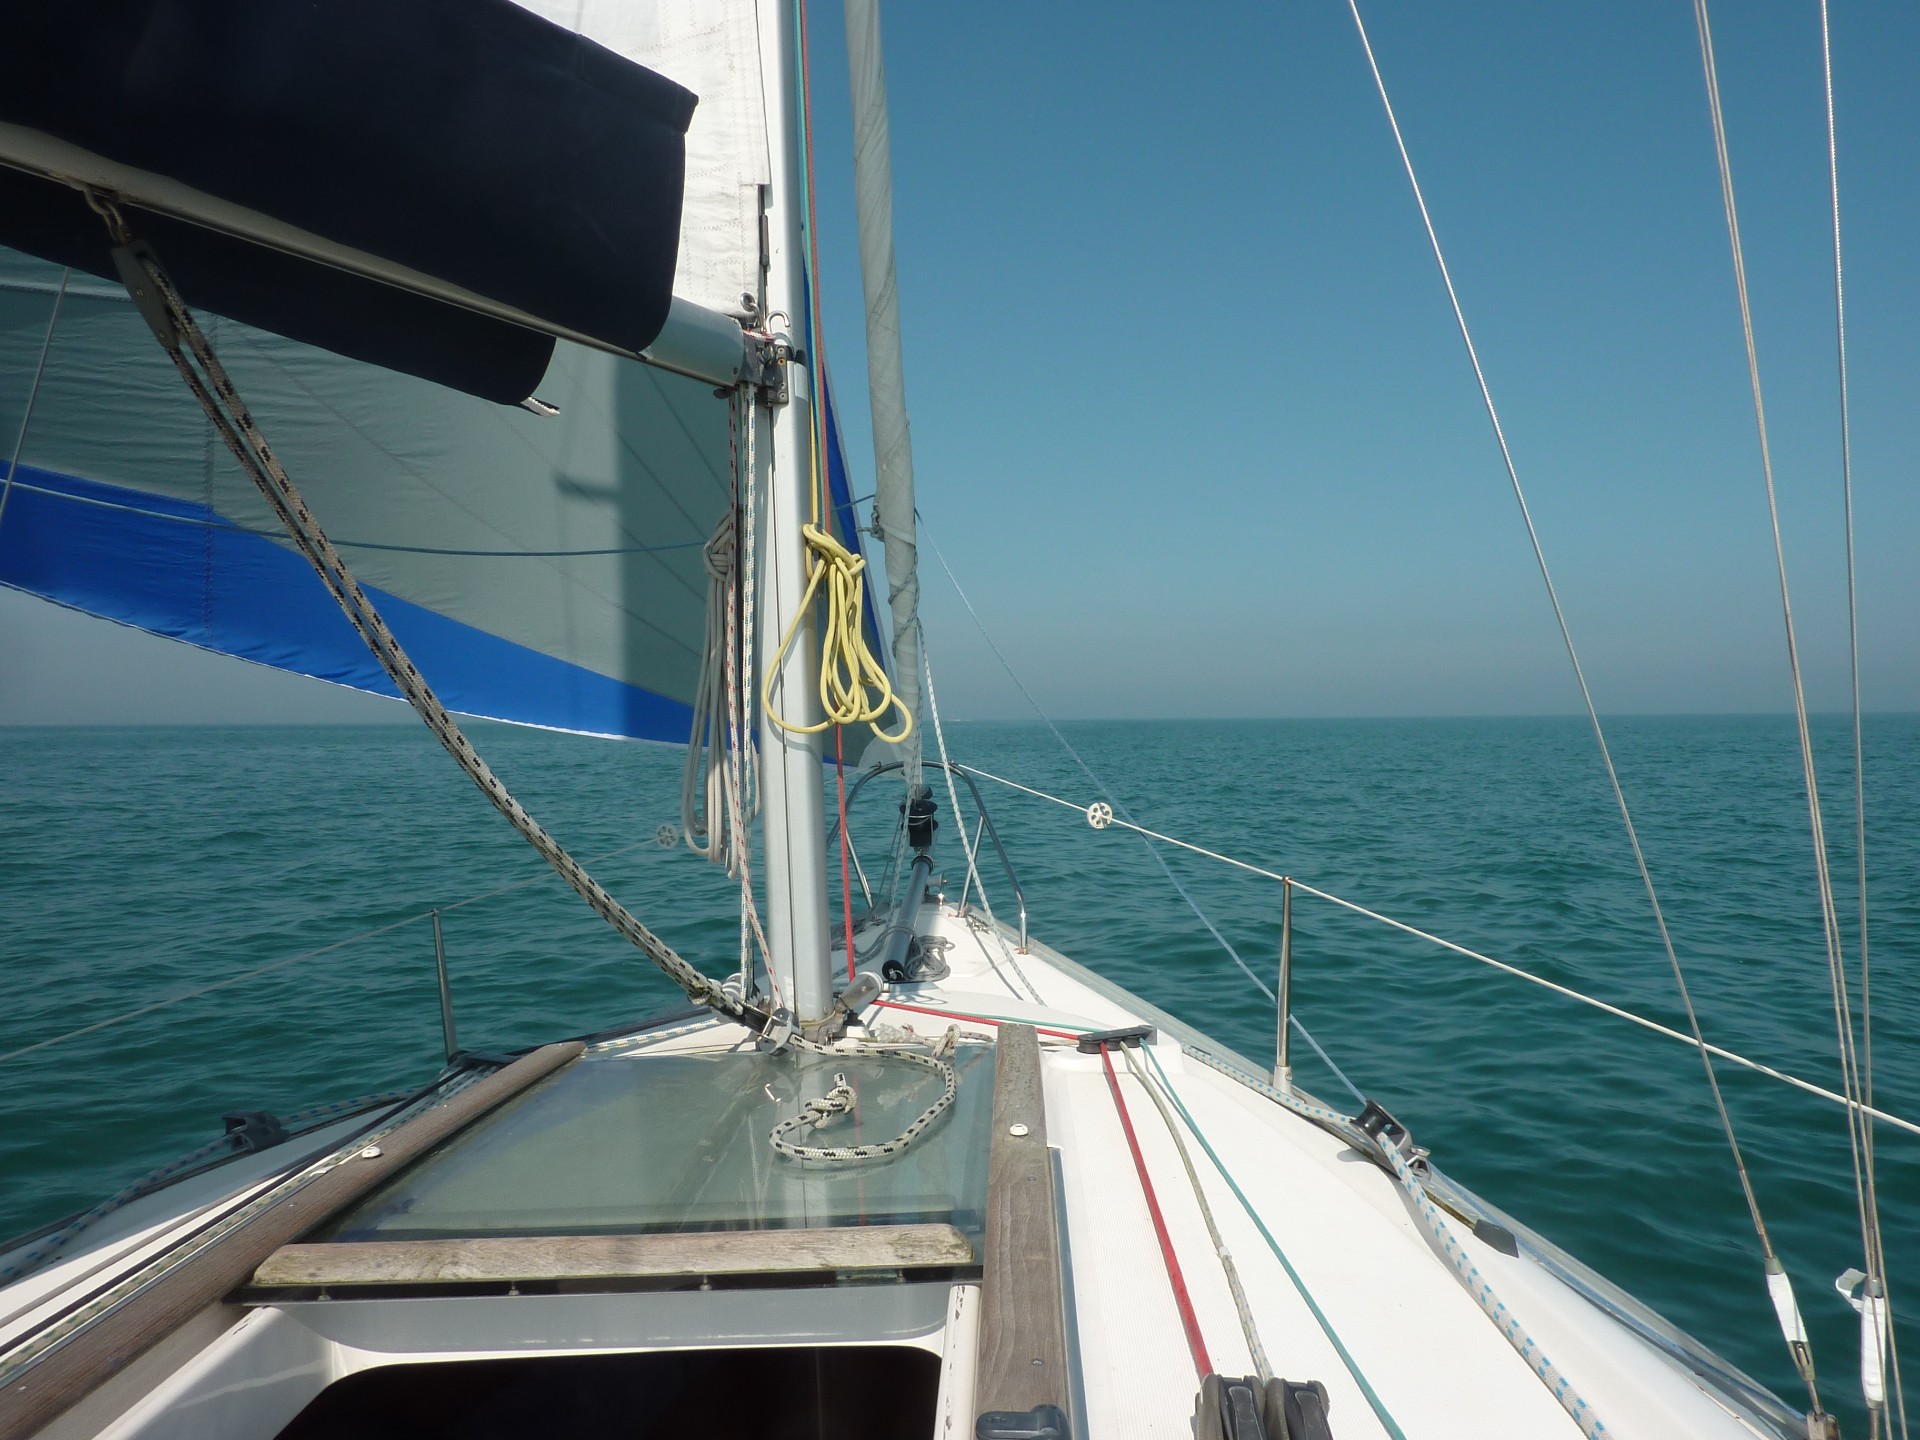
{"x": 1191, "y": 419}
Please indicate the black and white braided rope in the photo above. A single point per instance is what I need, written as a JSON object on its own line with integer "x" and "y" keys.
{"x": 173, "y": 324}
{"x": 180, "y": 335}
{"x": 840, "y": 1100}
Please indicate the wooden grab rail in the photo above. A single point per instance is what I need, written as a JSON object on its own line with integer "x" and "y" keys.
{"x": 94, "y": 1354}
{"x": 1023, "y": 1342}
{"x": 506, "y": 1259}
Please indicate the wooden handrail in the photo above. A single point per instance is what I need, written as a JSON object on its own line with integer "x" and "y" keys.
{"x": 94, "y": 1354}
{"x": 1023, "y": 1343}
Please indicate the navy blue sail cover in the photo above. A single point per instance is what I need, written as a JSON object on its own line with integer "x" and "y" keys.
{"x": 470, "y": 140}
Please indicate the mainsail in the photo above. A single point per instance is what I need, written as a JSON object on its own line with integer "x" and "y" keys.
{"x": 542, "y": 568}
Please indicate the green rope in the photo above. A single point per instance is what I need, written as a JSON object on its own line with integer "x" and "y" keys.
{"x": 1326, "y": 1326}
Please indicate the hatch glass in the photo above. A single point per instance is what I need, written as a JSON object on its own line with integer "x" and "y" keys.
{"x": 649, "y": 1142}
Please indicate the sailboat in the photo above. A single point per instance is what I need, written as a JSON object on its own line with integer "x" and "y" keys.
{"x": 386, "y": 295}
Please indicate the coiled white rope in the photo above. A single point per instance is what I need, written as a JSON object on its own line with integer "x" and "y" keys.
{"x": 707, "y": 784}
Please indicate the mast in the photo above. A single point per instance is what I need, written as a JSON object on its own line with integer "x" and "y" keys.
{"x": 792, "y": 798}
{"x": 886, "y": 383}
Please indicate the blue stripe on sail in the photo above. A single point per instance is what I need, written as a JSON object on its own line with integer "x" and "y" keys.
{"x": 840, "y": 493}
{"x": 178, "y": 569}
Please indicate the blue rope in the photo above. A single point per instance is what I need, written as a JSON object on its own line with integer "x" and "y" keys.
{"x": 1326, "y": 1326}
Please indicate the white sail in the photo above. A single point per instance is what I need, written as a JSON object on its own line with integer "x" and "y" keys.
{"x": 546, "y": 569}
{"x": 543, "y": 569}
{"x": 714, "y": 50}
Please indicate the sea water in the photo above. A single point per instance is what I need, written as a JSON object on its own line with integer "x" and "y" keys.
{"x": 138, "y": 865}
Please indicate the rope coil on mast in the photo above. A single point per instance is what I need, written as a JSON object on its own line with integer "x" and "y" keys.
{"x": 709, "y": 784}
{"x": 854, "y": 688}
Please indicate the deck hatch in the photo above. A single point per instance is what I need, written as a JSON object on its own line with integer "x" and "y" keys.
{"x": 626, "y": 1145}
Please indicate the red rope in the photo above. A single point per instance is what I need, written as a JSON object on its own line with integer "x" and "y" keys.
{"x": 846, "y": 881}
{"x": 1195, "y": 1343}
{"x": 975, "y": 1019}
{"x": 817, "y": 418}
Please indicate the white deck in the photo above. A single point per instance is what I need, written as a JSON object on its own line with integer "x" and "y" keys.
{"x": 1437, "y": 1365}
{"x": 1411, "y": 1333}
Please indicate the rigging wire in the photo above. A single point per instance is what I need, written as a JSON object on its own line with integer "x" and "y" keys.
{"x": 1853, "y": 612}
{"x": 966, "y": 844}
{"x": 1777, "y": 1281}
{"x": 1873, "y": 1313}
{"x": 1878, "y": 1252}
{"x": 1120, "y": 809}
{"x": 33, "y": 393}
{"x": 1514, "y": 970}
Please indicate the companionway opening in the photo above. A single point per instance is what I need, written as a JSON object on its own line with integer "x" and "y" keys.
{"x": 877, "y": 1392}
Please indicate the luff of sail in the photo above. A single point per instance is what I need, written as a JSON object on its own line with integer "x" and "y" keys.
{"x": 886, "y": 380}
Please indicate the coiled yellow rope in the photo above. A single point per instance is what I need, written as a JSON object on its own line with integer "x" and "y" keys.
{"x": 854, "y": 689}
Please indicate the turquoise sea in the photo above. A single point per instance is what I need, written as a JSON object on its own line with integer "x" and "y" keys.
{"x": 137, "y": 864}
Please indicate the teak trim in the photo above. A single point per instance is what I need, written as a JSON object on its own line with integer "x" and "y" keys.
{"x": 1023, "y": 1343}
{"x": 99, "y": 1351}
{"x": 507, "y": 1259}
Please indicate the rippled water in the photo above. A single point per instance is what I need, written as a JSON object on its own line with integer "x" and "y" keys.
{"x": 137, "y": 864}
